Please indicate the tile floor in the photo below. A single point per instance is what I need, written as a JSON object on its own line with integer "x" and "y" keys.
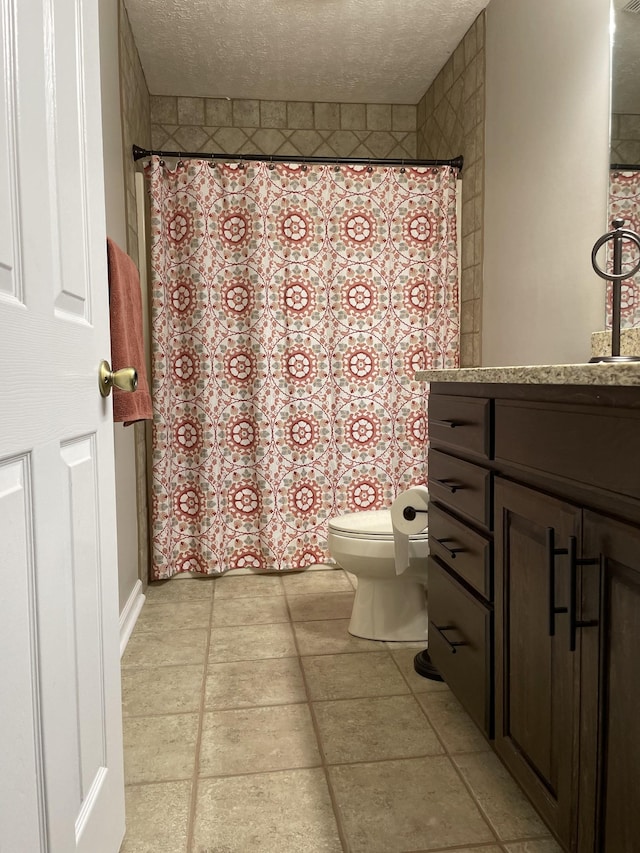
{"x": 254, "y": 723}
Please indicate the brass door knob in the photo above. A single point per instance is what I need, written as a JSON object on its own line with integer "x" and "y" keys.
{"x": 126, "y": 379}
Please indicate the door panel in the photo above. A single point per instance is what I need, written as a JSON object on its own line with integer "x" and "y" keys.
{"x": 536, "y": 674}
{"x": 609, "y": 791}
{"x": 21, "y": 715}
{"x": 59, "y": 640}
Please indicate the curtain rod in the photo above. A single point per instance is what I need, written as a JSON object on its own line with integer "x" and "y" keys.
{"x": 141, "y": 153}
{"x": 625, "y": 167}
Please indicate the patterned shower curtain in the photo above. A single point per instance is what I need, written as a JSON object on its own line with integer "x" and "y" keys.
{"x": 624, "y": 203}
{"x": 292, "y": 305}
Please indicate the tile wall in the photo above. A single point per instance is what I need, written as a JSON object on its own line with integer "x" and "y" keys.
{"x": 283, "y": 127}
{"x": 450, "y": 120}
{"x": 136, "y": 128}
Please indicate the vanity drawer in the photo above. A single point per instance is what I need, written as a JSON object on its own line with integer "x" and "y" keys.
{"x": 460, "y": 485}
{"x": 584, "y": 444}
{"x": 464, "y": 551}
{"x": 461, "y": 422}
{"x": 460, "y": 643}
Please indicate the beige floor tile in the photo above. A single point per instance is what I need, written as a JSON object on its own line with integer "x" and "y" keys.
{"x": 507, "y": 809}
{"x": 180, "y": 589}
{"x": 250, "y": 611}
{"x": 313, "y": 583}
{"x": 456, "y": 728}
{"x": 157, "y": 817}
{"x": 161, "y": 690}
{"x": 409, "y": 805}
{"x": 258, "y": 740}
{"x": 331, "y": 637}
{"x": 252, "y": 642}
{"x": 404, "y": 658}
{"x": 266, "y": 813}
{"x": 393, "y": 646}
{"x": 374, "y": 729}
{"x": 159, "y": 749}
{"x": 330, "y": 605}
{"x": 353, "y": 579}
{"x": 247, "y": 684}
{"x": 248, "y": 586}
{"x": 166, "y": 648}
{"x": 352, "y": 676}
{"x": 540, "y": 846}
{"x": 174, "y": 616}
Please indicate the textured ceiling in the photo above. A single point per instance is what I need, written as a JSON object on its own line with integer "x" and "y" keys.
{"x": 375, "y": 51}
{"x": 626, "y": 61}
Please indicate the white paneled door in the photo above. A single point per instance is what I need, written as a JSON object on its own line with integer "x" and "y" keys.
{"x": 61, "y": 777}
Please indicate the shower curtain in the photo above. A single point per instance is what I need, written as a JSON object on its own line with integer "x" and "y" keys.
{"x": 624, "y": 203}
{"x": 291, "y": 306}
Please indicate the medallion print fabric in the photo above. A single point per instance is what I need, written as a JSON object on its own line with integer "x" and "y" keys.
{"x": 624, "y": 203}
{"x": 292, "y": 305}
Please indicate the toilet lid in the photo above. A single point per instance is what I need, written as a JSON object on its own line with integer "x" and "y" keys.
{"x": 369, "y": 523}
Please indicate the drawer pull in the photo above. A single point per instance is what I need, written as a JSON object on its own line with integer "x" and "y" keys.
{"x": 450, "y": 551}
{"x": 574, "y": 623}
{"x": 447, "y": 424}
{"x": 453, "y": 646}
{"x": 448, "y": 486}
{"x": 552, "y": 553}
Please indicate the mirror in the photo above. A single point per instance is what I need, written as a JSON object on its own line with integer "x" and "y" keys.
{"x": 625, "y": 84}
{"x": 624, "y": 185}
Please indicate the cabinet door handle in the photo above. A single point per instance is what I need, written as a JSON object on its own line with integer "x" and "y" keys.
{"x": 450, "y": 551}
{"x": 448, "y": 486}
{"x": 552, "y": 553}
{"x": 453, "y": 646}
{"x": 447, "y": 424}
{"x": 574, "y": 562}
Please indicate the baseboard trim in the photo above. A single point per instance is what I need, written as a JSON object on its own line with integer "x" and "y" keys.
{"x": 130, "y": 613}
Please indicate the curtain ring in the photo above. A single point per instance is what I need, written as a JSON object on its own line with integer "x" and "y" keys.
{"x": 369, "y": 167}
{"x": 304, "y": 167}
{"x": 271, "y": 163}
{"x": 161, "y": 163}
{"x": 336, "y": 168}
{"x": 402, "y": 168}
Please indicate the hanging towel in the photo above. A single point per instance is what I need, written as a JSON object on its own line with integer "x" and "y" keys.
{"x": 127, "y": 346}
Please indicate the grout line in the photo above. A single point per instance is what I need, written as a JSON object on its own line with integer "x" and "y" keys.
{"x": 316, "y": 729}
{"x": 196, "y": 763}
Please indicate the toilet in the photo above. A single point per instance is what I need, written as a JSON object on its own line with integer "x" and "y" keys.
{"x": 387, "y": 606}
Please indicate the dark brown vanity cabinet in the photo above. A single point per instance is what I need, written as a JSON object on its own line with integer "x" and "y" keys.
{"x": 558, "y": 589}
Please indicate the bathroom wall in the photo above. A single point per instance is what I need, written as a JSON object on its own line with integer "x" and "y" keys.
{"x": 136, "y": 128}
{"x": 625, "y": 138}
{"x": 546, "y": 178}
{"x": 120, "y": 112}
{"x": 450, "y": 122}
{"x": 283, "y": 127}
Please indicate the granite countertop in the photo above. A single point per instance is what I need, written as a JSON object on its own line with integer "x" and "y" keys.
{"x": 601, "y": 373}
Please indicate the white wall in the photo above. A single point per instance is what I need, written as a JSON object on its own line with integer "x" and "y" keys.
{"x": 126, "y": 513}
{"x": 546, "y": 178}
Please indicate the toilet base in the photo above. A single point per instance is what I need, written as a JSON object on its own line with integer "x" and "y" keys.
{"x": 391, "y": 610}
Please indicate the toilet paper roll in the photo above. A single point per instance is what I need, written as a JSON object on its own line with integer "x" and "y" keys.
{"x": 409, "y": 516}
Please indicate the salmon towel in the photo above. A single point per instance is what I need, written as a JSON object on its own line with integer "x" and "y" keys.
{"x": 127, "y": 344}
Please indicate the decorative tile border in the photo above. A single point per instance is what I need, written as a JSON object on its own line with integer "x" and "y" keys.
{"x": 295, "y": 128}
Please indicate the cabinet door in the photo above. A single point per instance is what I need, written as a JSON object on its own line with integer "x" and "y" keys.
{"x": 536, "y": 673}
{"x": 610, "y": 787}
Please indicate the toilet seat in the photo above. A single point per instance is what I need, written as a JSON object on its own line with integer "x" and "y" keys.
{"x": 368, "y": 524}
